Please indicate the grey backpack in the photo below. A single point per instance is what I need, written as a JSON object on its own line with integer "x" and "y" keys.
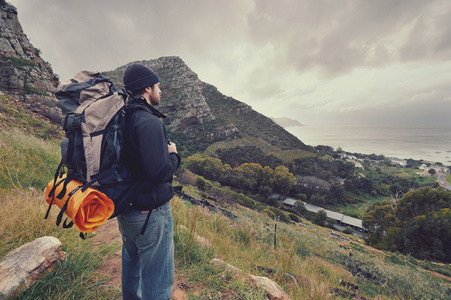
{"x": 94, "y": 120}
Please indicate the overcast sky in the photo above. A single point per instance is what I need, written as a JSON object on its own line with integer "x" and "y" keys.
{"x": 316, "y": 61}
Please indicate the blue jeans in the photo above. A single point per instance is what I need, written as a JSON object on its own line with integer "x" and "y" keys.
{"x": 147, "y": 260}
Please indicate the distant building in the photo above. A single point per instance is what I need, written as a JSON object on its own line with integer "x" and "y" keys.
{"x": 356, "y": 163}
{"x": 341, "y": 219}
{"x": 398, "y": 161}
{"x": 289, "y": 203}
{"x": 275, "y": 197}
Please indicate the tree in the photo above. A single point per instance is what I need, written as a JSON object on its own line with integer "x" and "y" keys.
{"x": 429, "y": 236}
{"x": 377, "y": 221}
{"x": 283, "y": 180}
{"x": 432, "y": 171}
{"x": 416, "y": 203}
{"x": 247, "y": 176}
{"x": 418, "y": 224}
{"x": 321, "y": 217}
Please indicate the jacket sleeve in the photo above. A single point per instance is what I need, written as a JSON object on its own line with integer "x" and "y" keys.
{"x": 158, "y": 164}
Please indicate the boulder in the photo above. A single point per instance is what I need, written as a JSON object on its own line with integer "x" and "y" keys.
{"x": 274, "y": 291}
{"x": 24, "y": 265}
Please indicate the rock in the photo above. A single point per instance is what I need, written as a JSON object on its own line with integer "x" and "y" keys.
{"x": 26, "y": 263}
{"x": 228, "y": 267}
{"x": 184, "y": 102}
{"x": 23, "y": 72}
{"x": 200, "y": 239}
{"x": 274, "y": 291}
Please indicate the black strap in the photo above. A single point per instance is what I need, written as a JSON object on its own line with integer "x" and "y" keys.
{"x": 63, "y": 209}
{"x": 143, "y": 230}
{"x": 52, "y": 193}
{"x": 66, "y": 180}
{"x": 97, "y": 177}
{"x": 68, "y": 225}
{"x": 57, "y": 174}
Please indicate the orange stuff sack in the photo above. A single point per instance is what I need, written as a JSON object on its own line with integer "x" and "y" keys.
{"x": 87, "y": 209}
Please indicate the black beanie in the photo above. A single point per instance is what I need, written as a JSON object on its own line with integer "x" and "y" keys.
{"x": 137, "y": 77}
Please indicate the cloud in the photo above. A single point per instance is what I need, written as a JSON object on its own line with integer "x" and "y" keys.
{"x": 316, "y": 61}
{"x": 340, "y": 36}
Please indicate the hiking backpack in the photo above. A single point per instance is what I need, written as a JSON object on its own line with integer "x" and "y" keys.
{"x": 94, "y": 114}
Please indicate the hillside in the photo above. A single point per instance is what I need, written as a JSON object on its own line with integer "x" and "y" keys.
{"x": 306, "y": 260}
{"x": 200, "y": 115}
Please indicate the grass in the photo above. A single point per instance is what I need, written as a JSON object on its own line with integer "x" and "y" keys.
{"x": 285, "y": 155}
{"x": 27, "y": 161}
{"x": 311, "y": 256}
{"x": 14, "y": 117}
{"x": 358, "y": 209}
{"x": 306, "y": 262}
{"x": 22, "y": 217}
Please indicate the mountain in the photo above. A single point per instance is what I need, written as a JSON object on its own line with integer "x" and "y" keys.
{"x": 198, "y": 115}
{"x": 23, "y": 73}
{"x": 287, "y": 122}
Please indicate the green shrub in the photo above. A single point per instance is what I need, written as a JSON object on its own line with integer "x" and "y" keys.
{"x": 348, "y": 230}
{"x": 280, "y": 215}
{"x": 293, "y": 217}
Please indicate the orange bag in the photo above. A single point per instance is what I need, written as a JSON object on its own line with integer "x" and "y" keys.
{"x": 87, "y": 209}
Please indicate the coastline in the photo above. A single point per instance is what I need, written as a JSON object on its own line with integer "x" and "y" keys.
{"x": 431, "y": 143}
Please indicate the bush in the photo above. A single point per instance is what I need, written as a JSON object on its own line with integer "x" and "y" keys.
{"x": 293, "y": 217}
{"x": 280, "y": 215}
{"x": 348, "y": 230}
{"x": 269, "y": 213}
{"x": 321, "y": 217}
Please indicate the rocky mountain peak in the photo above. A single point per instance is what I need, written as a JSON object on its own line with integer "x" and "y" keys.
{"x": 23, "y": 73}
{"x": 182, "y": 92}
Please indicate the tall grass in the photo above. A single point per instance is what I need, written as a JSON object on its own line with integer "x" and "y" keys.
{"x": 307, "y": 263}
{"x": 22, "y": 220}
{"x": 26, "y": 161}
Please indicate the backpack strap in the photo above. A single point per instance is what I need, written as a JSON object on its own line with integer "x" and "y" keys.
{"x": 63, "y": 209}
{"x": 73, "y": 157}
{"x": 58, "y": 173}
{"x": 52, "y": 194}
{"x": 143, "y": 230}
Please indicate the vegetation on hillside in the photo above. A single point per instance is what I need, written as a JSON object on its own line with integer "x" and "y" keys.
{"x": 402, "y": 212}
{"x": 317, "y": 265}
{"x": 13, "y": 115}
{"x": 230, "y": 111}
{"x": 418, "y": 224}
{"x": 327, "y": 180}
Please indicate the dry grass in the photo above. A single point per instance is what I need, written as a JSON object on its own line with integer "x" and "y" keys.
{"x": 306, "y": 262}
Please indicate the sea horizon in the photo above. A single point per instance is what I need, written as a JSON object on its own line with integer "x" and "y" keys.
{"x": 430, "y": 143}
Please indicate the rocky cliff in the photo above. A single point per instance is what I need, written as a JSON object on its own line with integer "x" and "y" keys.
{"x": 23, "y": 73}
{"x": 183, "y": 101}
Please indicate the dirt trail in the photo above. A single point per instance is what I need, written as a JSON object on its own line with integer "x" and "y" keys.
{"x": 108, "y": 233}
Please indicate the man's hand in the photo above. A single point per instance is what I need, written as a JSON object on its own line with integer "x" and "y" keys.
{"x": 172, "y": 147}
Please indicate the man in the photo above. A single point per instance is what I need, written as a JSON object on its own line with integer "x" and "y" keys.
{"x": 147, "y": 228}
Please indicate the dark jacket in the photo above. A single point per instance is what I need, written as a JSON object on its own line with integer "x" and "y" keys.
{"x": 152, "y": 166}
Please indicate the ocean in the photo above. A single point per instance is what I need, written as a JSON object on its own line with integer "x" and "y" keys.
{"x": 427, "y": 142}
